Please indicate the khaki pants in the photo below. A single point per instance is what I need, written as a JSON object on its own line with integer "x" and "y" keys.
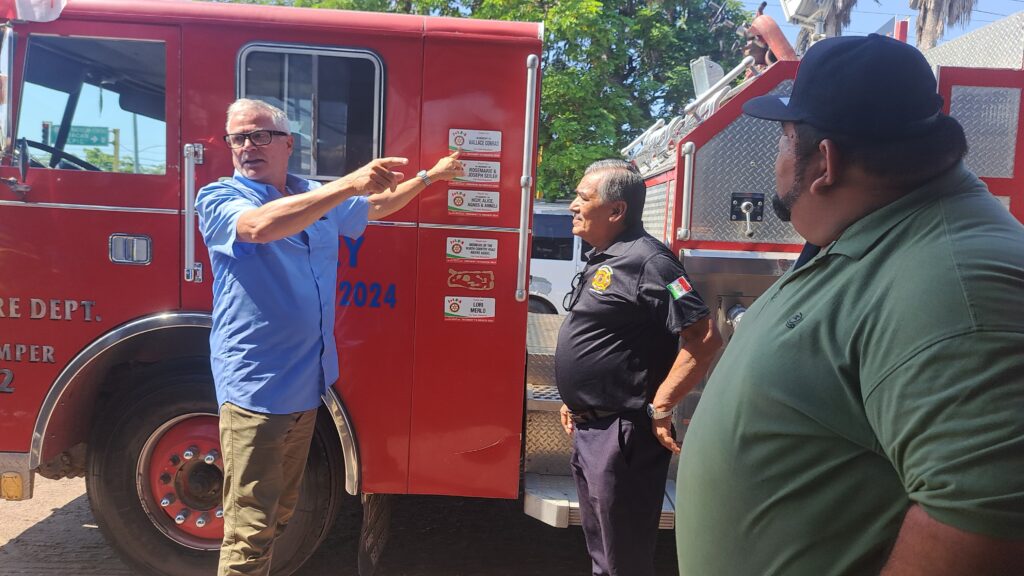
{"x": 264, "y": 457}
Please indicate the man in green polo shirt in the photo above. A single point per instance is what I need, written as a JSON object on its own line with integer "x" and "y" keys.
{"x": 868, "y": 415}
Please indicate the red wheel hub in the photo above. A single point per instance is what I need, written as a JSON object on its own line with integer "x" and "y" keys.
{"x": 185, "y": 474}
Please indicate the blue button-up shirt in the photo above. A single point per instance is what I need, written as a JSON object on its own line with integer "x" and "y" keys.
{"x": 272, "y": 345}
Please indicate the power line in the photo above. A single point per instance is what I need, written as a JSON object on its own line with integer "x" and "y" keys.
{"x": 992, "y": 13}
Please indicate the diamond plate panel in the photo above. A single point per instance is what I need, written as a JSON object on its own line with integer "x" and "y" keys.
{"x": 990, "y": 119}
{"x": 540, "y": 371}
{"x": 542, "y": 332}
{"x": 740, "y": 158}
{"x": 547, "y": 445}
{"x": 998, "y": 45}
{"x": 654, "y": 210}
{"x": 543, "y": 393}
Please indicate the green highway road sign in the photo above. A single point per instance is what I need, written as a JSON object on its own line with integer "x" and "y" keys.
{"x": 82, "y": 135}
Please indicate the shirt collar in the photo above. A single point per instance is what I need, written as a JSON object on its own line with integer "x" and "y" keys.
{"x": 858, "y": 238}
{"x": 292, "y": 182}
{"x": 620, "y": 245}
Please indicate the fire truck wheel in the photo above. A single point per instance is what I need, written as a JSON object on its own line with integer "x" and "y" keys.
{"x": 155, "y": 473}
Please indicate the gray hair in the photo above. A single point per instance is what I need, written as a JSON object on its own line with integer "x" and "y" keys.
{"x": 247, "y": 104}
{"x": 621, "y": 182}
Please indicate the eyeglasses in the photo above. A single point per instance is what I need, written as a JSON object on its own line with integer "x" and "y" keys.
{"x": 257, "y": 137}
{"x": 574, "y": 293}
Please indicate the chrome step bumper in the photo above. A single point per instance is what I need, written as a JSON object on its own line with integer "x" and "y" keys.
{"x": 553, "y": 501}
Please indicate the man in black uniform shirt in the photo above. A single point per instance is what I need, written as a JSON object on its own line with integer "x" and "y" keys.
{"x": 621, "y": 370}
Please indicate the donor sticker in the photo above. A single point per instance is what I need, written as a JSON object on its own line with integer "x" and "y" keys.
{"x": 481, "y": 173}
{"x": 473, "y": 202}
{"x": 469, "y": 308}
{"x": 479, "y": 250}
{"x": 483, "y": 143}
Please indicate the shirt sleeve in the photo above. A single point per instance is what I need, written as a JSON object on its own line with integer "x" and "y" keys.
{"x": 950, "y": 421}
{"x": 351, "y": 216}
{"x": 219, "y": 207}
{"x": 666, "y": 292}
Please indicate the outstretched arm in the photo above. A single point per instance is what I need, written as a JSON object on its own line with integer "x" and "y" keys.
{"x": 292, "y": 214}
{"x": 388, "y": 202}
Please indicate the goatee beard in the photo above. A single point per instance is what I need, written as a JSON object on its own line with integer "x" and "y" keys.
{"x": 783, "y": 207}
{"x": 782, "y": 211}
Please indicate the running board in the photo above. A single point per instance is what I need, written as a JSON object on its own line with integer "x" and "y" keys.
{"x": 552, "y": 500}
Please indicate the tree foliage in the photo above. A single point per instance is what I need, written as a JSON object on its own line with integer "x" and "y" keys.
{"x": 105, "y": 161}
{"x": 609, "y": 67}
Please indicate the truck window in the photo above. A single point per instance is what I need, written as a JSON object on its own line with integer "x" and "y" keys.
{"x": 552, "y": 236}
{"x": 95, "y": 104}
{"x": 6, "y": 55}
{"x": 332, "y": 98}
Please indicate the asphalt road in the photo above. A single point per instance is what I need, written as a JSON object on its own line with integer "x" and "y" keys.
{"x": 55, "y": 534}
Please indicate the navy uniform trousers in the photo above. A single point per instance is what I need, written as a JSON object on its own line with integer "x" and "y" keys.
{"x": 620, "y": 470}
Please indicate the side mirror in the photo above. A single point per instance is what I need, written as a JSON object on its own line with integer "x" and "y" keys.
{"x": 22, "y": 159}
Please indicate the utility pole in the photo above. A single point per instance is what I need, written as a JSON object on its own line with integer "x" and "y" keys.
{"x": 117, "y": 149}
{"x": 135, "y": 140}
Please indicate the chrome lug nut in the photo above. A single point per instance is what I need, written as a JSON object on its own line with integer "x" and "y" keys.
{"x": 219, "y": 513}
{"x": 190, "y": 453}
{"x": 182, "y": 516}
{"x": 201, "y": 521}
{"x": 211, "y": 457}
{"x": 167, "y": 501}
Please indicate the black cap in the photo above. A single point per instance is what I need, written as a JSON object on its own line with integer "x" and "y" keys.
{"x": 867, "y": 86}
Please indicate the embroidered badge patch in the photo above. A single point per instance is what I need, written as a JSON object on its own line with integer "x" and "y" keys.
{"x": 602, "y": 279}
{"x": 679, "y": 288}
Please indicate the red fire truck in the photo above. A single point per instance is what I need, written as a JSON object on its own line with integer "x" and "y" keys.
{"x": 112, "y": 118}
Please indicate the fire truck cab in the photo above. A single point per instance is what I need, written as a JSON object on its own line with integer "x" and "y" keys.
{"x": 113, "y": 115}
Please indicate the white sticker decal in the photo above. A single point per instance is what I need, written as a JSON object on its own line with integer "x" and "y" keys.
{"x": 486, "y": 143}
{"x": 479, "y": 250}
{"x": 481, "y": 173}
{"x": 473, "y": 202}
{"x": 469, "y": 308}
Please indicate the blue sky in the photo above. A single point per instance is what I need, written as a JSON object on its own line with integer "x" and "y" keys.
{"x": 869, "y": 15}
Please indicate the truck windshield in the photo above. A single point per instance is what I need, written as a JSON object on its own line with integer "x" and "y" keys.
{"x": 6, "y": 54}
{"x": 95, "y": 104}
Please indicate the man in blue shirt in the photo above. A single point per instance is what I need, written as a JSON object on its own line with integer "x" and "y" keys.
{"x": 273, "y": 243}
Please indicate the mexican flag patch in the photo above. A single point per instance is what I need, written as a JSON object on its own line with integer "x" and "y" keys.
{"x": 679, "y": 288}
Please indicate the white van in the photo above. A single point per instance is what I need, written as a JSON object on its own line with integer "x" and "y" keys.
{"x": 556, "y": 257}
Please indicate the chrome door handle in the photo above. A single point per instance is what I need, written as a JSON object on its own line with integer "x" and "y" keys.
{"x": 526, "y": 181}
{"x": 193, "y": 155}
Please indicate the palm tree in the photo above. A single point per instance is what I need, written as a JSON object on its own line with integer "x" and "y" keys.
{"x": 932, "y": 19}
{"x": 934, "y": 15}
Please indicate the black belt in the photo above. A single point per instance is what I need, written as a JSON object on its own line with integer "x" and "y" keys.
{"x": 590, "y": 415}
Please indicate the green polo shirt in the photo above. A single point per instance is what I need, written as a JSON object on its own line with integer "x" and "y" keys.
{"x": 886, "y": 371}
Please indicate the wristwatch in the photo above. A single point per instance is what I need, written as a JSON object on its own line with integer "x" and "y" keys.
{"x": 422, "y": 175}
{"x": 657, "y": 414}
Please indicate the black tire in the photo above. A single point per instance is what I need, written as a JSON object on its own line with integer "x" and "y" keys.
{"x": 160, "y": 394}
{"x": 538, "y": 306}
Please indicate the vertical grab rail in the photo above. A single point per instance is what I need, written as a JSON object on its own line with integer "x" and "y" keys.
{"x": 686, "y": 151}
{"x": 526, "y": 181}
{"x": 193, "y": 154}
